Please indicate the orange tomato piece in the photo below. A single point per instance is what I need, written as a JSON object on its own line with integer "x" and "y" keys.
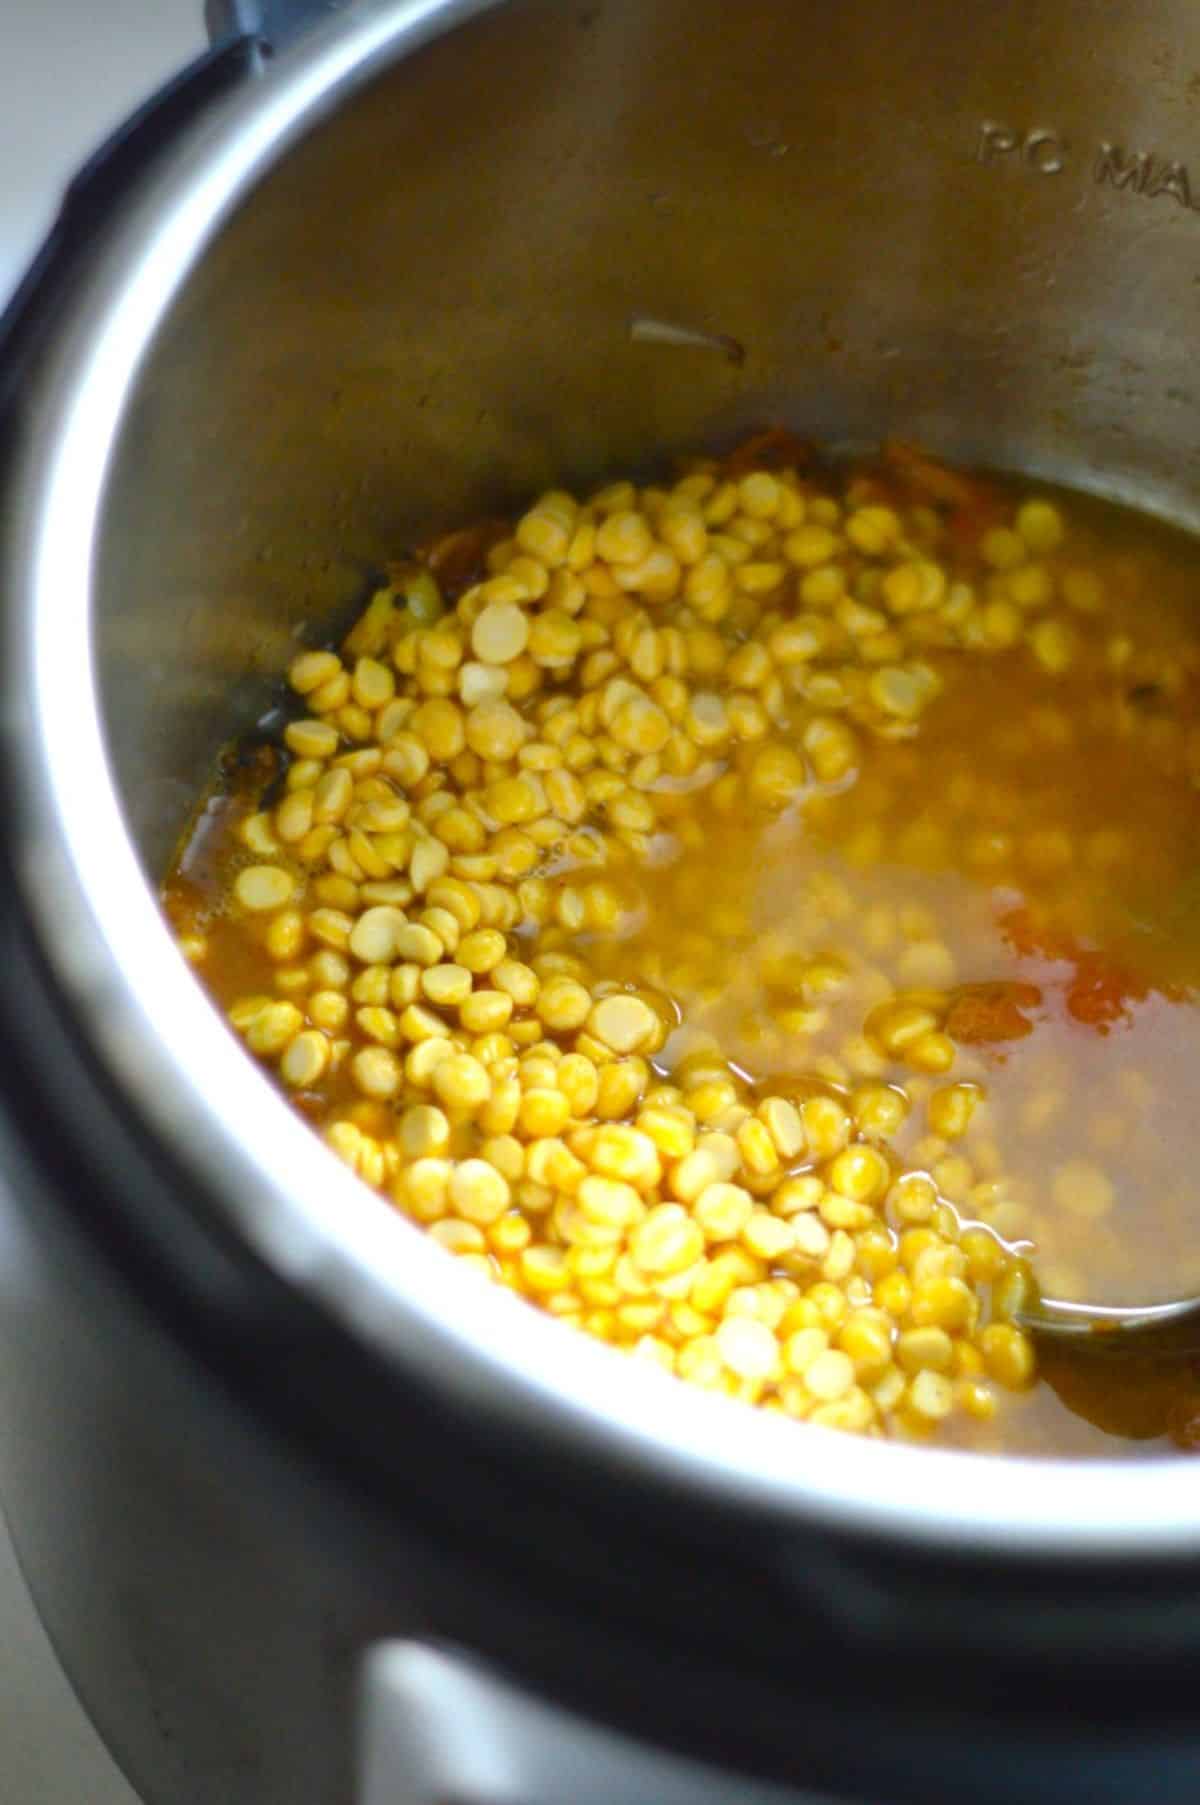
{"x": 984, "y": 1013}
{"x": 774, "y": 448}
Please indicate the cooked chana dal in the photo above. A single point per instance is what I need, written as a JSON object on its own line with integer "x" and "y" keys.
{"x": 751, "y": 917}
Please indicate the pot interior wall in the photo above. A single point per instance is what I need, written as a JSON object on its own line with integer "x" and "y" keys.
{"x": 966, "y": 224}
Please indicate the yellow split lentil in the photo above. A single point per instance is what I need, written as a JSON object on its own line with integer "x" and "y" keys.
{"x": 736, "y": 916}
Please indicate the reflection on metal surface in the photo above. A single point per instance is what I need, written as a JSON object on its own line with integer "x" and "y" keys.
{"x": 415, "y": 1747}
{"x": 661, "y": 332}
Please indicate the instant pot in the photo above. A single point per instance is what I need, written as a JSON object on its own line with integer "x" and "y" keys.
{"x": 313, "y": 1517}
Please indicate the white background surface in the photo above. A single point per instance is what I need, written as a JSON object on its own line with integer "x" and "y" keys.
{"x": 69, "y": 71}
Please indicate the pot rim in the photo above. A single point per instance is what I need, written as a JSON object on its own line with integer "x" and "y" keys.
{"x": 97, "y": 920}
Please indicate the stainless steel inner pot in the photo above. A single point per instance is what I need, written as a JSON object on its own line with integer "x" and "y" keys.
{"x": 405, "y": 280}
